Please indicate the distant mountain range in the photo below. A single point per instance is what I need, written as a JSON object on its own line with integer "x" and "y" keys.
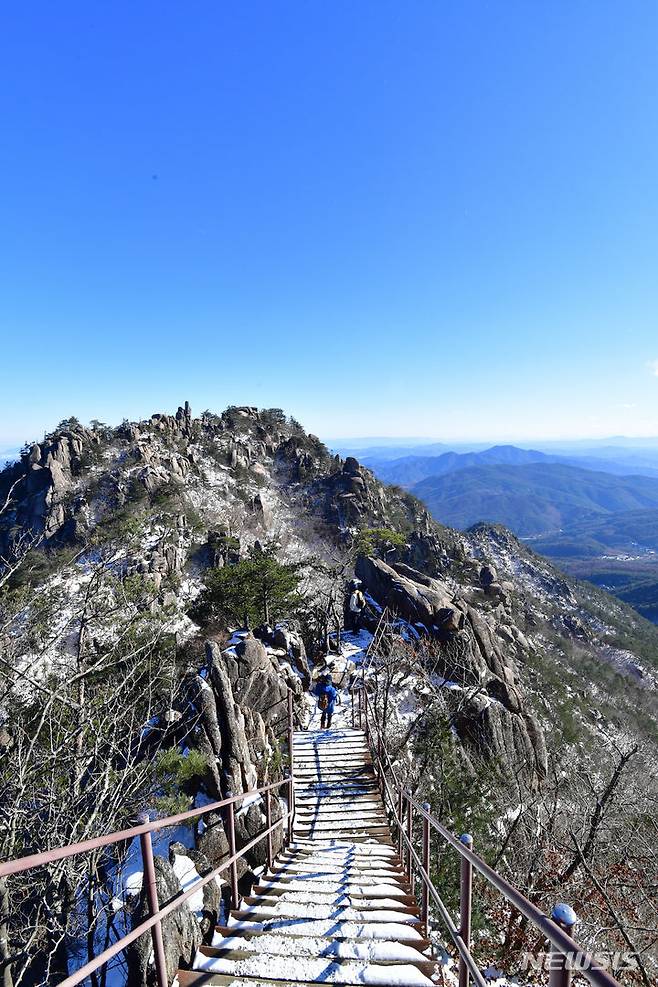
{"x": 596, "y": 516}
{"x": 409, "y": 470}
{"x": 8, "y": 454}
{"x": 532, "y": 498}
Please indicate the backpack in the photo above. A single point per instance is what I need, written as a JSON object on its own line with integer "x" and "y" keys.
{"x": 324, "y": 701}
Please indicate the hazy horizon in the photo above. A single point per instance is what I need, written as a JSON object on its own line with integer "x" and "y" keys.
{"x": 10, "y": 450}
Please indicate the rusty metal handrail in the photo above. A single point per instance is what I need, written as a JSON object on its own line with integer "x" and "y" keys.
{"x": 561, "y": 941}
{"x": 155, "y": 920}
{"x": 465, "y": 955}
{"x": 73, "y": 849}
{"x": 144, "y": 830}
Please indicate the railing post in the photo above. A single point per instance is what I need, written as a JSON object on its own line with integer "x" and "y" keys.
{"x": 401, "y": 824}
{"x": 230, "y": 819}
{"x": 380, "y": 769}
{"x": 268, "y": 823}
{"x": 410, "y": 839}
{"x": 560, "y": 968}
{"x": 425, "y": 901}
{"x": 465, "y": 902}
{"x": 291, "y": 784}
{"x": 291, "y": 730}
{"x": 291, "y": 806}
{"x": 152, "y": 899}
{"x": 352, "y": 704}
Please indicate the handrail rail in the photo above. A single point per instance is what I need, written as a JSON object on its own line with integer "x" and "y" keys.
{"x": 461, "y": 945}
{"x": 144, "y": 830}
{"x": 556, "y": 934}
{"x": 156, "y": 917}
{"x": 33, "y": 860}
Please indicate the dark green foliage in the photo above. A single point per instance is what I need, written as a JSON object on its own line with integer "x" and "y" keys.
{"x": 258, "y": 589}
{"x": 378, "y": 541}
{"x": 174, "y": 773}
{"x": 40, "y": 564}
{"x": 460, "y": 795}
{"x": 66, "y": 425}
{"x": 167, "y": 495}
{"x": 273, "y": 418}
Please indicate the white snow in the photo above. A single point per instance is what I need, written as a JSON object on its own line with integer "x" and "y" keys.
{"x": 329, "y": 927}
{"x": 188, "y": 876}
{"x": 318, "y": 970}
{"x": 373, "y": 950}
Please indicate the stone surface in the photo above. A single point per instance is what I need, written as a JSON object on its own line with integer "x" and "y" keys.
{"x": 181, "y": 932}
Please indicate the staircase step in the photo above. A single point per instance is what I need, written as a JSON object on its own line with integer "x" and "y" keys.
{"x": 304, "y": 758}
{"x": 368, "y": 866}
{"x": 357, "y": 896}
{"x": 380, "y": 952}
{"x": 343, "y": 810}
{"x": 342, "y": 928}
{"x": 341, "y": 829}
{"x": 202, "y": 978}
{"x": 355, "y": 802}
{"x": 342, "y": 851}
{"x": 264, "y": 942}
{"x": 318, "y": 969}
{"x": 321, "y": 789}
{"x": 287, "y": 885}
{"x": 261, "y": 910}
{"x": 291, "y": 871}
{"x": 300, "y": 900}
{"x": 336, "y": 906}
{"x": 334, "y": 819}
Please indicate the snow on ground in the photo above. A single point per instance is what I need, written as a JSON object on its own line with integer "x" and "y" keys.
{"x": 315, "y": 969}
{"x": 338, "y": 928}
{"x": 188, "y": 875}
{"x": 315, "y": 946}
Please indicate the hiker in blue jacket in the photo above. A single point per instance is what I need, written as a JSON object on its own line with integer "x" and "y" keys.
{"x": 327, "y": 694}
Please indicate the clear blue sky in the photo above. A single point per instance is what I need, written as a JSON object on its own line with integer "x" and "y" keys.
{"x": 431, "y": 218}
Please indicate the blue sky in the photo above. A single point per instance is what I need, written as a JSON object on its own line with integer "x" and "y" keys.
{"x": 424, "y": 218}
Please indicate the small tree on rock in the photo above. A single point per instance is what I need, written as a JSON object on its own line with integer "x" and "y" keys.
{"x": 259, "y": 589}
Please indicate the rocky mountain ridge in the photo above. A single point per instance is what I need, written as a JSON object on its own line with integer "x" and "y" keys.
{"x": 199, "y": 491}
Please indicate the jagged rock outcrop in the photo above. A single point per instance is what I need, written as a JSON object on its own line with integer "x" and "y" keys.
{"x": 292, "y": 643}
{"x": 204, "y": 489}
{"x": 181, "y": 932}
{"x": 207, "y": 915}
{"x": 514, "y": 740}
{"x": 407, "y": 592}
{"x": 493, "y": 716}
{"x": 238, "y": 771}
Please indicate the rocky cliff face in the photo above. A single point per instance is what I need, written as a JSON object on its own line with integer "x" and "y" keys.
{"x": 493, "y": 713}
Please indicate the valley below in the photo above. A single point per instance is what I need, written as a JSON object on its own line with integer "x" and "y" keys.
{"x": 595, "y": 517}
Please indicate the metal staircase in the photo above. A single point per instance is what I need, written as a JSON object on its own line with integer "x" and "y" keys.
{"x": 336, "y": 906}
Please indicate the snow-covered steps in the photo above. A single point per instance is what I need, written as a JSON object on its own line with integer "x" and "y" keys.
{"x": 313, "y": 969}
{"x": 336, "y": 906}
{"x": 374, "y": 950}
{"x": 340, "y": 930}
{"x": 361, "y": 887}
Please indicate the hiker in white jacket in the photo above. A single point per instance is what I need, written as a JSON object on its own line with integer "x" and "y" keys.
{"x": 356, "y": 606}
